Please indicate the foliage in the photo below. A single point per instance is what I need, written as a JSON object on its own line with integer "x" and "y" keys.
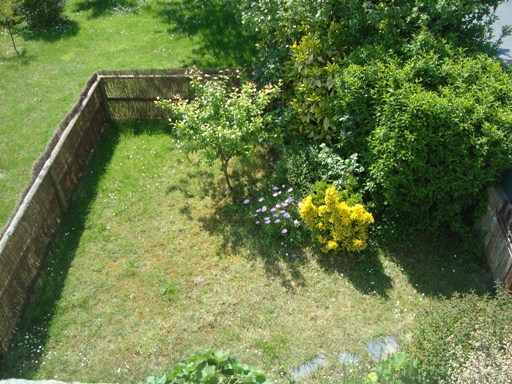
{"x": 451, "y": 333}
{"x": 399, "y": 368}
{"x": 488, "y": 361}
{"x": 434, "y": 131}
{"x": 43, "y": 13}
{"x": 336, "y": 225}
{"x": 210, "y": 367}
{"x": 10, "y": 17}
{"x": 220, "y": 121}
{"x": 303, "y": 163}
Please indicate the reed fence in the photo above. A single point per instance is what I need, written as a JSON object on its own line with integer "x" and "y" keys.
{"x": 497, "y": 226}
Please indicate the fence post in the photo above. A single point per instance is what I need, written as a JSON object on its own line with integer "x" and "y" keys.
{"x": 60, "y": 193}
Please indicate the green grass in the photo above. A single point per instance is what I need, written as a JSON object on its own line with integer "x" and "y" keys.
{"x": 37, "y": 93}
{"x": 154, "y": 262}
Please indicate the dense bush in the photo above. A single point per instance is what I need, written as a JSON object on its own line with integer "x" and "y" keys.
{"x": 336, "y": 225}
{"x": 43, "y": 13}
{"x": 304, "y": 163}
{"x": 452, "y": 333}
{"x": 433, "y": 130}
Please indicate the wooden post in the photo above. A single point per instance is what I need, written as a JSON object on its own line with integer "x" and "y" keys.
{"x": 60, "y": 193}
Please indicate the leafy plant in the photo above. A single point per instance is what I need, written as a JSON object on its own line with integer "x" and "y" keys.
{"x": 220, "y": 121}
{"x": 304, "y": 163}
{"x": 210, "y": 367}
{"x": 335, "y": 224}
{"x": 398, "y": 368}
{"x": 10, "y": 16}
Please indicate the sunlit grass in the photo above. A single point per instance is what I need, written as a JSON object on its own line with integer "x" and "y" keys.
{"x": 38, "y": 92}
{"x": 154, "y": 262}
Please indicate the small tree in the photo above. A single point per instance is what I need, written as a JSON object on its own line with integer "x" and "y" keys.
{"x": 221, "y": 122}
{"x": 9, "y": 18}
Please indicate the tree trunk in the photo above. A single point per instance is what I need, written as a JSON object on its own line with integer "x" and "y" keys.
{"x": 226, "y": 176}
{"x": 14, "y": 43}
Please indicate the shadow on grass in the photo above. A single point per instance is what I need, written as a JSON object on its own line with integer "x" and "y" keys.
{"x": 98, "y": 8}
{"x": 23, "y": 58}
{"x": 363, "y": 269}
{"x": 443, "y": 265}
{"x": 223, "y": 40}
{"x": 23, "y": 358}
{"x": 64, "y": 29}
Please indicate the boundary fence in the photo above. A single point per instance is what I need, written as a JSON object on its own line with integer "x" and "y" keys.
{"x": 111, "y": 96}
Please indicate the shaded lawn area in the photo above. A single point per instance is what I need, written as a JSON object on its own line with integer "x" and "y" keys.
{"x": 154, "y": 262}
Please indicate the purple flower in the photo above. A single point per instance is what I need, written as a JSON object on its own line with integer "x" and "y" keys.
{"x": 258, "y": 210}
{"x": 275, "y": 188}
{"x": 264, "y": 208}
{"x": 289, "y": 200}
{"x": 278, "y": 205}
{"x": 284, "y": 231}
{"x": 273, "y": 209}
{"x": 286, "y": 215}
{"x": 276, "y": 193}
{"x": 296, "y": 222}
{"x": 289, "y": 190}
{"x": 275, "y": 215}
{"x": 258, "y": 222}
{"x": 267, "y": 221}
{"x": 246, "y": 201}
{"x": 261, "y": 199}
{"x": 277, "y": 221}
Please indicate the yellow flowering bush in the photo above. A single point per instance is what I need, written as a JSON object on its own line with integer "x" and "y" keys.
{"x": 336, "y": 225}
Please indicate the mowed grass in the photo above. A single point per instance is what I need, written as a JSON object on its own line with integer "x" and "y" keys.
{"x": 38, "y": 92}
{"x": 154, "y": 262}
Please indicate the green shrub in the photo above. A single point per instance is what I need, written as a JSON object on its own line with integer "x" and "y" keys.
{"x": 304, "y": 163}
{"x": 433, "y": 131}
{"x": 210, "y": 367}
{"x": 449, "y": 334}
{"x": 43, "y": 13}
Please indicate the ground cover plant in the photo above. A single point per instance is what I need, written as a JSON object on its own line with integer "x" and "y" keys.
{"x": 39, "y": 90}
{"x": 155, "y": 262}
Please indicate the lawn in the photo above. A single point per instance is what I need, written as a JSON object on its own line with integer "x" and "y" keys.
{"x": 154, "y": 262}
{"x": 38, "y": 92}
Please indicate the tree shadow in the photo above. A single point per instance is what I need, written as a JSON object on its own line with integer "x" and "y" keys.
{"x": 98, "y": 8}
{"x": 223, "y": 42}
{"x": 23, "y": 58}
{"x": 363, "y": 269}
{"x": 27, "y": 347}
{"x": 443, "y": 265}
{"x": 64, "y": 29}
